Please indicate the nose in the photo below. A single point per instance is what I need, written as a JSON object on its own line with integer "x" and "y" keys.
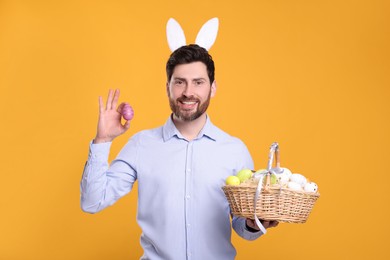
{"x": 188, "y": 90}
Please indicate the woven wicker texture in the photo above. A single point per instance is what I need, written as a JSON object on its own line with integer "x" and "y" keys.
{"x": 274, "y": 203}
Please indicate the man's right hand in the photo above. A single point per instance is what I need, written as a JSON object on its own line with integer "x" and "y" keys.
{"x": 109, "y": 124}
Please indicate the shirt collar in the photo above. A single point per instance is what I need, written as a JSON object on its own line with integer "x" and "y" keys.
{"x": 170, "y": 130}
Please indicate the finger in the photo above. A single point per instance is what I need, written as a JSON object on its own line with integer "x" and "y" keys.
{"x": 115, "y": 100}
{"x": 127, "y": 125}
{"x": 101, "y": 107}
{"x": 109, "y": 100}
{"x": 272, "y": 223}
{"x": 265, "y": 223}
{"x": 250, "y": 222}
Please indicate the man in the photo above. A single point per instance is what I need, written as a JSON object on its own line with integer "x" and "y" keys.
{"x": 180, "y": 168}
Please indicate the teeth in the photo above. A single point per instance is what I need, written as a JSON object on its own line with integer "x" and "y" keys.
{"x": 188, "y": 103}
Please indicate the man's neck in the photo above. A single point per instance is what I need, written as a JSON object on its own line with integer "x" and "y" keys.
{"x": 190, "y": 129}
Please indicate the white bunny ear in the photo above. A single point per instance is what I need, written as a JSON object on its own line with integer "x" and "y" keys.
{"x": 207, "y": 34}
{"x": 175, "y": 35}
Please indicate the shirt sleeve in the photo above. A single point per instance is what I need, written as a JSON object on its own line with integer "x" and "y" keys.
{"x": 103, "y": 184}
{"x": 239, "y": 225}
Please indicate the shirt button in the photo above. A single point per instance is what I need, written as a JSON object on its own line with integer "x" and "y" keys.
{"x": 188, "y": 225}
{"x": 188, "y": 170}
{"x": 188, "y": 197}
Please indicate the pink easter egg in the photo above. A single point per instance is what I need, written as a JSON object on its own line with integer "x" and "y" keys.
{"x": 127, "y": 112}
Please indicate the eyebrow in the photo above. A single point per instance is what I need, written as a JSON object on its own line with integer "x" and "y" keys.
{"x": 183, "y": 79}
{"x": 196, "y": 79}
{"x": 178, "y": 78}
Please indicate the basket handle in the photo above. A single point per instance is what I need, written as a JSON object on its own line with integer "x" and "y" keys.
{"x": 273, "y": 152}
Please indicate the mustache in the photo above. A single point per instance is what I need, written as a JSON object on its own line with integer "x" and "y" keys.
{"x": 187, "y": 99}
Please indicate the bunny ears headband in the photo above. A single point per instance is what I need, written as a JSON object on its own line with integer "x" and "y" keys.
{"x": 205, "y": 38}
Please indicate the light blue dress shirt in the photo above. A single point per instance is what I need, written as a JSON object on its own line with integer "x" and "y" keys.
{"x": 182, "y": 210}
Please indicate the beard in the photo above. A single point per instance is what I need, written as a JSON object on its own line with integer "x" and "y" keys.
{"x": 189, "y": 115}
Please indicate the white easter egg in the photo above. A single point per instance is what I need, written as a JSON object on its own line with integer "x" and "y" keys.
{"x": 283, "y": 178}
{"x": 286, "y": 171}
{"x": 283, "y": 174}
{"x": 298, "y": 178}
{"x": 294, "y": 186}
{"x": 281, "y": 170}
{"x": 311, "y": 187}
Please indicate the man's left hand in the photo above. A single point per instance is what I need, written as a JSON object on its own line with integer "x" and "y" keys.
{"x": 266, "y": 223}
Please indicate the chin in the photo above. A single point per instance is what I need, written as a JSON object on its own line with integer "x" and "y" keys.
{"x": 189, "y": 118}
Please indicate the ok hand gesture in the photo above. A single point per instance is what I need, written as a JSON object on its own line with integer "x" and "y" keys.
{"x": 109, "y": 124}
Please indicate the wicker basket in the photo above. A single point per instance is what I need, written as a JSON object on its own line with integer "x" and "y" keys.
{"x": 273, "y": 202}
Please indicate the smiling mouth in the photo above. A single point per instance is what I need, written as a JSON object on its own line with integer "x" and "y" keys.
{"x": 187, "y": 105}
{"x": 188, "y": 102}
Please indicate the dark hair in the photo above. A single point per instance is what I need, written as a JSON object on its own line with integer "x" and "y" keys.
{"x": 188, "y": 54}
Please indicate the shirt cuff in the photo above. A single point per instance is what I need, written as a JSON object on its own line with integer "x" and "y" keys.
{"x": 245, "y": 232}
{"x": 250, "y": 234}
{"x": 98, "y": 152}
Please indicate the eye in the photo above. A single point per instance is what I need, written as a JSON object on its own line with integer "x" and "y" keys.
{"x": 199, "y": 82}
{"x": 178, "y": 82}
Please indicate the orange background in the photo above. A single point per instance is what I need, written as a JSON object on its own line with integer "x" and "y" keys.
{"x": 312, "y": 75}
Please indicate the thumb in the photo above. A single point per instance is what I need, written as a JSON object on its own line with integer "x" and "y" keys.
{"x": 126, "y": 125}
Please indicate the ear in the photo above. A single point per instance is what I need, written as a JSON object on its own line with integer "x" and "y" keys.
{"x": 213, "y": 89}
{"x": 175, "y": 35}
{"x": 167, "y": 88}
{"x": 208, "y": 33}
